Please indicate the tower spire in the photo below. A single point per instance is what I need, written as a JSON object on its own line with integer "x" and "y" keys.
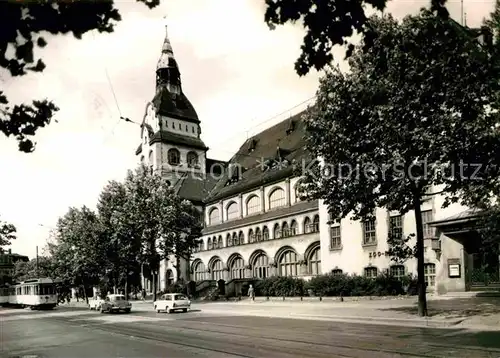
{"x": 167, "y": 71}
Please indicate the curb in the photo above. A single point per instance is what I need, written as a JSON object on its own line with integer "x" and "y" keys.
{"x": 409, "y": 322}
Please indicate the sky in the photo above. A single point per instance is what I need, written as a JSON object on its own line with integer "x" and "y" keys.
{"x": 237, "y": 73}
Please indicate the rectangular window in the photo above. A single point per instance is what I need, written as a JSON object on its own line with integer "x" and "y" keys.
{"x": 427, "y": 217}
{"x": 371, "y": 272}
{"x": 397, "y": 271}
{"x": 430, "y": 275}
{"x": 396, "y": 227}
{"x": 335, "y": 237}
{"x": 369, "y": 232}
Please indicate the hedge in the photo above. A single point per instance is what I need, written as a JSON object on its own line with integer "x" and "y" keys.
{"x": 336, "y": 285}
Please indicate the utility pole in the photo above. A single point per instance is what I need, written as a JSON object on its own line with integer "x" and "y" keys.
{"x": 462, "y": 12}
{"x": 37, "y": 262}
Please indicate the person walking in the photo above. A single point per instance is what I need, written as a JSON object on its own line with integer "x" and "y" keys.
{"x": 251, "y": 293}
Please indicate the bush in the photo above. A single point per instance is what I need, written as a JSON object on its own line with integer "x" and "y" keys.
{"x": 280, "y": 286}
{"x": 336, "y": 285}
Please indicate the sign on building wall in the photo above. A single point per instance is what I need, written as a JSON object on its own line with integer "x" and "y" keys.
{"x": 454, "y": 269}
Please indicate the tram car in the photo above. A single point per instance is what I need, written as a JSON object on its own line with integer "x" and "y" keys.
{"x": 34, "y": 293}
{"x": 4, "y": 295}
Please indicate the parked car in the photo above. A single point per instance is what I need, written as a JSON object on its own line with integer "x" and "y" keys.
{"x": 115, "y": 303}
{"x": 170, "y": 302}
{"x": 95, "y": 303}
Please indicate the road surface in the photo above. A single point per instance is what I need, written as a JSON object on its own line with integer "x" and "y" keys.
{"x": 75, "y": 333}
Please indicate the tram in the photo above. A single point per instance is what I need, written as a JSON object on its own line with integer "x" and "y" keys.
{"x": 4, "y": 295}
{"x": 34, "y": 293}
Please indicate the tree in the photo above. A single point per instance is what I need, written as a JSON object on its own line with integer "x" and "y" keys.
{"x": 44, "y": 267}
{"x": 416, "y": 112}
{"x": 79, "y": 251}
{"x": 7, "y": 234}
{"x": 164, "y": 224}
{"x": 329, "y": 23}
{"x": 124, "y": 246}
{"x": 22, "y": 24}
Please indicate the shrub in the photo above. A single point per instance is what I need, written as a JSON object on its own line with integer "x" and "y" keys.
{"x": 280, "y": 286}
{"x": 335, "y": 285}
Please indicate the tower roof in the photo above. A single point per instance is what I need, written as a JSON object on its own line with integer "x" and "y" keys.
{"x": 169, "y": 99}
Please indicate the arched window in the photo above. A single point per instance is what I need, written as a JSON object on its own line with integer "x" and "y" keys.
{"x": 213, "y": 216}
{"x": 265, "y": 233}
{"x": 235, "y": 239}
{"x": 251, "y": 236}
{"x": 277, "y": 231}
{"x": 237, "y": 268}
{"x": 315, "y": 227}
{"x": 288, "y": 264}
{"x": 258, "y": 235}
{"x": 229, "y": 241}
{"x": 200, "y": 246}
{"x": 232, "y": 211}
{"x": 241, "y": 238}
{"x": 217, "y": 271}
{"x": 277, "y": 198}
{"x": 174, "y": 156}
{"x": 293, "y": 228}
{"x": 261, "y": 266}
{"x": 220, "y": 244}
{"x": 253, "y": 205}
{"x": 315, "y": 262}
{"x": 192, "y": 159}
{"x": 285, "y": 231}
{"x": 307, "y": 226}
{"x": 209, "y": 244}
{"x": 215, "y": 243}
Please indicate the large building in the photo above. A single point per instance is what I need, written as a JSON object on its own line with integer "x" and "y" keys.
{"x": 256, "y": 226}
{"x": 8, "y": 262}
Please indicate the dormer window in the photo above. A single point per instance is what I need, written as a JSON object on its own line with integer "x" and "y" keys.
{"x": 252, "y": 145}
{"x": 291, "y": 127}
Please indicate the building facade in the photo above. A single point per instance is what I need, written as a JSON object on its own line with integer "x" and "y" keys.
{"x": 256, "y": 226}
{"x": 7, "y": 265}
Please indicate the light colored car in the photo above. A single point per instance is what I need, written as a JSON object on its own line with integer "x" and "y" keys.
{"x": 95, "y": 303}
{"x": 115, "y": 303}
{"x": 170, "y": 302}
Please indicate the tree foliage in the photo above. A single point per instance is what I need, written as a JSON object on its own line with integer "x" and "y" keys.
{"x": 79, "y": 251}
{"x": 7, "y": 234}
{"x": 123, "y": 249}
{"x": 33, "y": 269}
{"x": 417, "y": 111}
{"x": 329, "y": 23}
{"x": 164, "y": 223}
{"x": 23, "y": 28}
{"x": 139, "y": 221}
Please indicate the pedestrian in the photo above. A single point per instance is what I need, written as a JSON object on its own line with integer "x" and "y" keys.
{"x": 143, "y": 294}
{"x": 251, "y": 293}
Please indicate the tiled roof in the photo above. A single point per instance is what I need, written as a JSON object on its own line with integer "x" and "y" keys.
{"x": 169, "y": 137}
{"x": 174, "y": 105}
{"x": 194, "y": 189}
{"x": 270, "y": 215}
{"x": 288, "y": 135}
{"x": 465, "y": 215}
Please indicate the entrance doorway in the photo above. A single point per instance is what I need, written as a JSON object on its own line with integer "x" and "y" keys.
{"x": 485, "y": 270}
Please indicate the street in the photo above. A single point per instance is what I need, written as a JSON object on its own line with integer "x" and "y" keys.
{"x": 78, "y": 332}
